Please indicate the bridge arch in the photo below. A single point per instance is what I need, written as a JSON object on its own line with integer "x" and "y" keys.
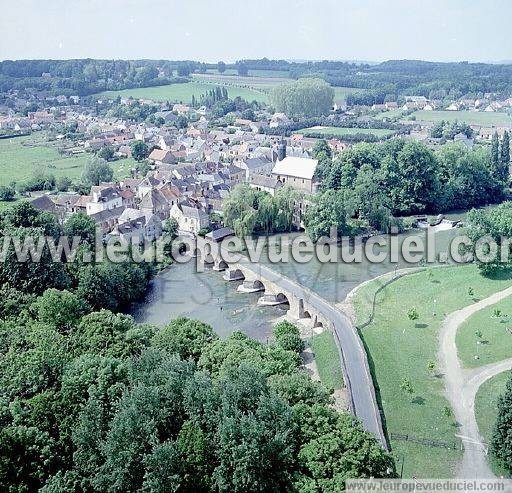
{"x": 282, "y": 298}
{"x": 208, "y": 259}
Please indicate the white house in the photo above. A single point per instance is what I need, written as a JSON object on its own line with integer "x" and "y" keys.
{"x": 297, "y": 172}
{"x": 190, "y": 219}
{"x": 102, "y": 199}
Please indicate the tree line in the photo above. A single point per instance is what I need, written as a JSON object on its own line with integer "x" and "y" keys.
{"x": 100, "y": 285}
{"x": 85, "y": 76}
{"x": 373, "y": 184}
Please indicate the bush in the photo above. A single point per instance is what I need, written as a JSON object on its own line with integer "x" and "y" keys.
{"x": 7, "y": 193}
{"x": 288, "y": 337}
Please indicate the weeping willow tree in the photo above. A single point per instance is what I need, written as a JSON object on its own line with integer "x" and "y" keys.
{"x": 249, "y": 211}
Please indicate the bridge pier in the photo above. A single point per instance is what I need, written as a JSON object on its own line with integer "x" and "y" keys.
{"x": 233, "y": 275}
{"x": 251, "y": 287}
{"x": 219, "y": 265}
{"x": 272, "y": 300}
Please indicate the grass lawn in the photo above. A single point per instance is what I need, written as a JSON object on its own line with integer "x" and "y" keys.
{"x": 327, "y": 360}
{"x": 471, "y": 117}
{"x": 390, "y": 114}
{"x": 341, "y": 131}
{"x": 486, "y": 410}
{"x": 399, "y": 348}
{"x": 182, "y": 93}
{"x": 22, "y": 156}
{"x": 495, "y": 343}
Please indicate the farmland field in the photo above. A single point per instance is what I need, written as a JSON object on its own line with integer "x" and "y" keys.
{"x": 470, "y": 117}
{"x": 342, "y": 131}
{"x": 22, "y": 156}
{"x": 390, "y": 114}
{"x": 252, "y": 73}
{"x": 182, "y": 93}
{"x": 249, "y": 82}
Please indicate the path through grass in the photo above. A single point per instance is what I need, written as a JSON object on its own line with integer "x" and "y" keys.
{"x": 402, "y": 349}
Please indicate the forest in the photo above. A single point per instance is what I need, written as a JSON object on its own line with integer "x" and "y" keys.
{"x": 378, "y": 82}
{"x": 90, "y": 401}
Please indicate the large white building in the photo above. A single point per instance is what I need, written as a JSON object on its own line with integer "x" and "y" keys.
{"x": 297, "y": 172}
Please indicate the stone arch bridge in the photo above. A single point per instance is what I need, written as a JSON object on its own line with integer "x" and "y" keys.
{"x": 304, "y": 303}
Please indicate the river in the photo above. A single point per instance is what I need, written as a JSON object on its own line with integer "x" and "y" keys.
{"x": 182, "y": 291}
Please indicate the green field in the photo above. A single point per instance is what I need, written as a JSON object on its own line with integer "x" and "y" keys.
{"x": 470, "y": 117}
{"x": 327, "y": 360}
{"x": 399, "y": 348}
{"x": 486, "y": 410}
{"x": 342, "y": 131}
{"x": 496, "y": 341}
{"x": 390, "y": 114}
{"x": 284, "y": 74}
{"x": 21, "y": 157}
{"x": 182, "y": 93}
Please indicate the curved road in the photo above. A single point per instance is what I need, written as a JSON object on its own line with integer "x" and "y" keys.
{"x": 462, "y": 385}
{"x": 352, "y": 354}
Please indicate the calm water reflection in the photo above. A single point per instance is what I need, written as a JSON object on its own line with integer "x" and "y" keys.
{"x": 206, "y": 296}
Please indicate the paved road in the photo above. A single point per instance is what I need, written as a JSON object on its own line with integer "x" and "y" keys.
{"x": 353, "y": 356}
{"x": 462, "y": 386}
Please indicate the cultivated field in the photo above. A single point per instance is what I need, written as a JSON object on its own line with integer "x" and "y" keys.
{"x": 252, "y": 73}
{"x": 399, "y": 348}
{"x": 471, "y": 117}
{"x": 182, "y": 93}
{"x": 342, "y": 131}
{"x": 20, "y": 157}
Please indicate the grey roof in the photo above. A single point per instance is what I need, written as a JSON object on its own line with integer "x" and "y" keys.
{"x": 43, "y": 203}
{"x": 220, "y": 234}
{"x": 256, "y": 162}
{"x": 265, "y": 181}
{"x": 106, "y": 194}
{"x": 192, "y": 212}
{"x": 152, "y": 199}
{"x": 133, "y": 225}
{"x": 107, "y": 214}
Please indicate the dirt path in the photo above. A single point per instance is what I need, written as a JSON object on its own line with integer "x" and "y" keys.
{"x": 462, "y": 385}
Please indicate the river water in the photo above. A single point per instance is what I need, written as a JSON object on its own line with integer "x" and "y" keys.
{"x": 182, "y": 291}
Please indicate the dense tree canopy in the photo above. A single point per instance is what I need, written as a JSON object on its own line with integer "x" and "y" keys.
{"x": 501, "y": 442}
{"x": 95, "y": 172}
{"x": 305, "y": 97}
{"x": 248, "y": 211}
{"x": 94, "y": 403}
{"x": 495, "y": 223}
